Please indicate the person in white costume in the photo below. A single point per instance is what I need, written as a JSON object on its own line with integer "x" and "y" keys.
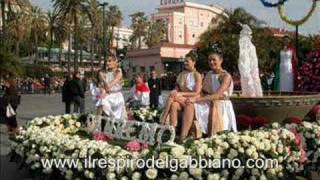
{"x": 213, "y": 111}
{"x": 248, "y": 65}
{"x": 108, "y": 96}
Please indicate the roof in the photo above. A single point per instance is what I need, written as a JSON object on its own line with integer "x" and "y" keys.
{"x": 280, "y": 32}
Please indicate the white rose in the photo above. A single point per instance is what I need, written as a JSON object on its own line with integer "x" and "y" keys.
{"x": 136, "y": 176}
{"x": 196, "y": 172}
{"x": 152, "y": 173}
{"x": 111, "y": 176}
{"x": 239, "y": 172}
{"x": 183, "y": 176}
{"x": 177, "y": 151}
{"x": 214, "y": 176}
{"x": 174, "y": 177}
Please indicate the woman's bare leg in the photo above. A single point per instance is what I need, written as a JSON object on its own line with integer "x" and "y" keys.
{"x": 175, "y": 107}
{"x": 166, "y": 110}
{"x": 188, "y": 117}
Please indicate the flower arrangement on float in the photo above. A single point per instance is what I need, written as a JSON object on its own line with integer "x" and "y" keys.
{"x": 62, "y": 137}
{"x": 147, "y": 114}
{"x": 309, "y": 75}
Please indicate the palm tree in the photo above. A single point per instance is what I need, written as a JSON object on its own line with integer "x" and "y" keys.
{"x": 114, "y": 17}
{"x": 9, "y": 64}
{"x": 38, "y": 29}
{"x": 51, "y": 21}
{"x": 139, "y": 26}
{"x": 94, "y": 14}
{"x": 73, "y": 9}
{"x": 18, "y": 28}
{"x": 3, "y": 19}
{"x": 156, "y": 33}
{"x": 60, "y": 32}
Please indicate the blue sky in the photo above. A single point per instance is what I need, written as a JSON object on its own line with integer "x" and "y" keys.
{"x": 294, "y": 8}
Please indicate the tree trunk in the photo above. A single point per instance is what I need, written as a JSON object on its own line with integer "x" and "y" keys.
{"x": 139, "y": 45}
{"x": 91, "y": 56}
{"x": 17, "y": 48}
{"x": 50, "y": 46}
{"x": 76, "y": 29}
{"x": 81, "y": 54}
{"x": 36, "y": 50}
{"x": 3, "y": 16}
{"x": 59, "y": 55}
{"x": 69, "y": 53}
{"x": 111, "y": 38}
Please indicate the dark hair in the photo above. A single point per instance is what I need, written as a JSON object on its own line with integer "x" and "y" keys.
{"x": 75, "y": 73}
{"x": 215, "y": 48}
{"x": 142, "y": 75}
{"x": 193, "y": 54}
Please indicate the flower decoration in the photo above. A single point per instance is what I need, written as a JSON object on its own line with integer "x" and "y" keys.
{"x": 286, "y": 19}
{"x": 270, "y": 5}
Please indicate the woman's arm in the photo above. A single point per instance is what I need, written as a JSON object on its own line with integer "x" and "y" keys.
{"x": 198, "y": 88}
{"x": 227, "y": 79}
{"x": 116, "y": 80}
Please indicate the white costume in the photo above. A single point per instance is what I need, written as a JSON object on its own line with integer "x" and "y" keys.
{"x": 113, "y": 103}
{"x": 202, "y": 109}
{"x": 286, "y": 71}
{"x": 248, "y": 65}
{"x": 142, "y": 97}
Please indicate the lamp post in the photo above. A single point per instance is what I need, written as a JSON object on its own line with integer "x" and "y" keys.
{"x": 104, "y": 4}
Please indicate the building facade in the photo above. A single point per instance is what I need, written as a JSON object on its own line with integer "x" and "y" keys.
{"x": 185, "y": 21}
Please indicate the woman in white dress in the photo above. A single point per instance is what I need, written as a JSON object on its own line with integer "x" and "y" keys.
{"x": 188, "y": 85}
{"x": 287, "y": 69}
{"x": 213, "y": 111}
{"x": 112, "y": 103}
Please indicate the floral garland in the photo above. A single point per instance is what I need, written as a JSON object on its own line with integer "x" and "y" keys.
{"x": 270, "y": 5}
{"x": 296, "y": 22}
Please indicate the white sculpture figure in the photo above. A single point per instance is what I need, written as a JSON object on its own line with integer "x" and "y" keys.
{"x": 248, "y": 65}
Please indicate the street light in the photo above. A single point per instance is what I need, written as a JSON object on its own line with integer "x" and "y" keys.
{"x": 104, "y": 4}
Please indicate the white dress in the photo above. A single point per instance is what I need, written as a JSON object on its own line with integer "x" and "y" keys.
{"x": 113, "y": 104}
{"x": 286, "y": 71}
{"x": 202, "y": 109}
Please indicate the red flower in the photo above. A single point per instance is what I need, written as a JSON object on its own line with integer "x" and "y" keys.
{"x": 294, "y": 120}
{"x": 316, "y": 109}
{"x": 100, "y": 136}
{"x": 260, "y": 121}
{"x": 244, "y": 120}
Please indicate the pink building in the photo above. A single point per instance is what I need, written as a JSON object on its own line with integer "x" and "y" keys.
{"x": 186, "y": 22}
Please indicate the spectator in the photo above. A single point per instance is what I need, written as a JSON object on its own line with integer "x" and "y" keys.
{"x": 66, "y": 94}
{"x": 77, "y": 90}
{"x": 10, "y": 97}
{"x": 47, "y": 83}
{"x": 155, "y": 90}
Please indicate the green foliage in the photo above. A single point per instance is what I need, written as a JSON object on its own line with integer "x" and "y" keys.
{"x": 9, "y": 64}
{"x": 225, "y": 30}
{"x": 38, "y": 71}
{"x": 156, "y": 32}
{"x": 139, "y": 26}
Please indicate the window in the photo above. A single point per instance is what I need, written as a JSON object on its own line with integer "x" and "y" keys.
{"x": 193, "y": 35}
{"x": 143, "y": 69}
